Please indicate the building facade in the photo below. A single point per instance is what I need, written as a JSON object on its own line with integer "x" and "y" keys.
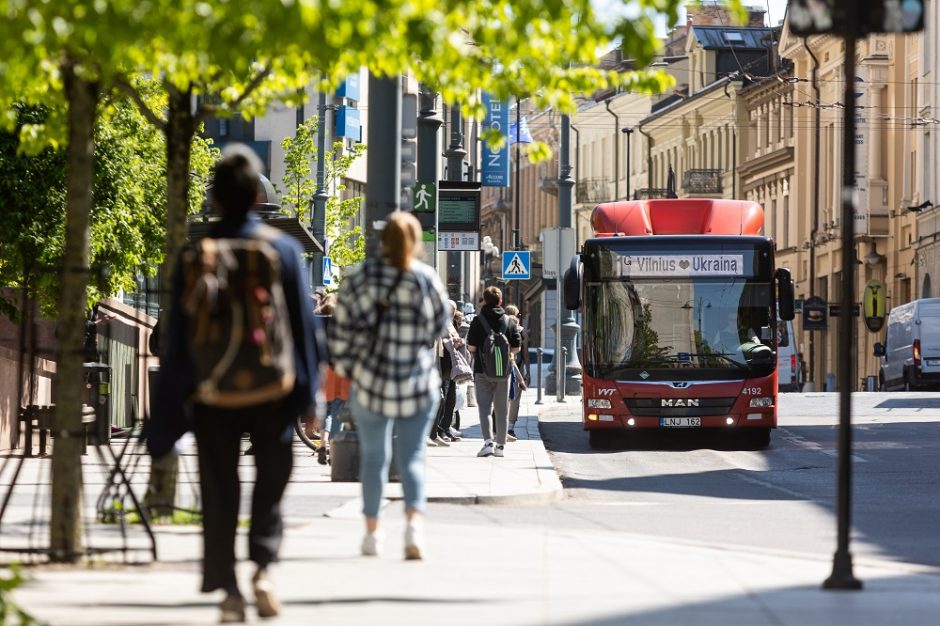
{"x": 887, "y": 183}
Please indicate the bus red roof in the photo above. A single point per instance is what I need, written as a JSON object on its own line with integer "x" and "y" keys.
{"x": 680, "y": 216}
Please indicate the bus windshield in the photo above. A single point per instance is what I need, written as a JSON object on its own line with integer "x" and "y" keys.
{"x": 710, "y": 328}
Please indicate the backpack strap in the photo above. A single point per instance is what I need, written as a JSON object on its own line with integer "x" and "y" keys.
{"x": 489, "y": 329}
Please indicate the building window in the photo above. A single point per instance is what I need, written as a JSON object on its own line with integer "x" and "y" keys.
{"x": 775, "y": 220}
{"x": 768, "y": 120}
{"x": 734, "y": 36}
{"x": 223, "y": 127}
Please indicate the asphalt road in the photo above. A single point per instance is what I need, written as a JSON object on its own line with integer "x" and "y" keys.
{"x": 700, "y": 488}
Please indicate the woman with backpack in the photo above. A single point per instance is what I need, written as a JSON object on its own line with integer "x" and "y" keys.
{"x": 390, "y": 312}
{"x": 492, "y": 339}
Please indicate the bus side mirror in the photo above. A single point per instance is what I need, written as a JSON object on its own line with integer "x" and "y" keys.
{"x": 571, "y": 284}
{"x": 879, "y": 350}
{"x": 784, "y": 294}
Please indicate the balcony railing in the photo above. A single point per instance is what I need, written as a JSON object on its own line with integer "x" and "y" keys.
{"x": 592, "y": 190}
{"x": 702, "y": 181}
{"x": 650, "y": 193}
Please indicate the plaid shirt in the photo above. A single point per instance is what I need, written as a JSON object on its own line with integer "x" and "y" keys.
{"x": 393, "y": 369}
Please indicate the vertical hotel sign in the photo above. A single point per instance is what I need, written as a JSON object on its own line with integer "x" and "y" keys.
{"x": 496, "y": 162}
{"x": 863, "y": 131}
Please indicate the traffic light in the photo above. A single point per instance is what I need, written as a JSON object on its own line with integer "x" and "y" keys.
{"x": 818, "y": 17}
{"x": 409, "y": 144}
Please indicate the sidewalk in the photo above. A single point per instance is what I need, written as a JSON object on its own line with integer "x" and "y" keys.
{"x": 455, "y": 475}
{"x": 479, "y": 572}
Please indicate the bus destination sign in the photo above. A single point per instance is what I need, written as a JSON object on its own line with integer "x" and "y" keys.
{"x": 682, "y": 265}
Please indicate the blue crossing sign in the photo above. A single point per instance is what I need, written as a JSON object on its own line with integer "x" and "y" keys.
{"x": 517, "y": 265}
{"x": 327, "y": 271}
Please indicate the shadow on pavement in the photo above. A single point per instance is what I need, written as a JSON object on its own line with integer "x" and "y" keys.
{"x": 918, "y": 402}
{"x": 892, "y": 508}
{"x": 735, "y": 484}
{"x": 902, "y": 600}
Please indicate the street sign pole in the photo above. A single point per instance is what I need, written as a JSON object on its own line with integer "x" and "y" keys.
{"x": 849, "y": 19}
{"x": 842, "y": 577}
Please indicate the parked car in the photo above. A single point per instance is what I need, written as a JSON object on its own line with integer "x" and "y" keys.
{"x": 547, "y": 355}
{"x": 910, "y": 355}
{"x": 788, "y": 363}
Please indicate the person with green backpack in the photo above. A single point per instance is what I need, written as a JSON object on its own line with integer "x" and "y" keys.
{"x": 493, "y": 338}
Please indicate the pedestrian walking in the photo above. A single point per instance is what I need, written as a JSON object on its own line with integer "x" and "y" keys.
{"x": 242, "y": 354}
{"x": 460, "y": 373}
{"x": 517, "y": 382}
{"x": 335, "y": 389}
{"x": 440, "y": 432}
{"x": 492, "y": 339}
{"x": 389, "y": 313}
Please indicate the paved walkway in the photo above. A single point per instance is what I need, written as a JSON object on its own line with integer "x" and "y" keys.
{"x": 481, "y": 573}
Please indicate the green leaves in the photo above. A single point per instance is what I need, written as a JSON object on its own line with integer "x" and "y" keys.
{"x": 128, "y": 217}
{"x": 300, "y": 157}
{"x": 11, "y": 577}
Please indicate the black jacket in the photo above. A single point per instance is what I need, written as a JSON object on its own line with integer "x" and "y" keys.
{"x": 495, "y": 316}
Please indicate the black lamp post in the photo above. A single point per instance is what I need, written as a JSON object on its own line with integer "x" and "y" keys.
{"x": 628, "y": 131}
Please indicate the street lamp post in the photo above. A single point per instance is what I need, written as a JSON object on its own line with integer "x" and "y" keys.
{"x": 616, "y": 150}
{"x": 628, "y": 131}
{"x": 567, "y": 370}
{"x": 321, "y": 197}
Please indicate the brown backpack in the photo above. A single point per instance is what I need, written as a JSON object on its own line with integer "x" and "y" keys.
{"x": 240, "y": 339}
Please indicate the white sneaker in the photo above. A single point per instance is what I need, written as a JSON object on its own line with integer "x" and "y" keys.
{"x": 454, "y": 432}
{"x": 499, "y": 451}
{"x": 373, "y": 543}
{"x": 431, "y": 443}
{"x": 487, "y": 449}
{"x": 440, "y": 442}
{"x": 414, "y": 542}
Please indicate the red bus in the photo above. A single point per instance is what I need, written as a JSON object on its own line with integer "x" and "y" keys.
{"x": 679, "y": 302}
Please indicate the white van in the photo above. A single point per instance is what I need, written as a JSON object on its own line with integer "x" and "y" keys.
{"x": 788, "y": 365}
{"x": 911, "y": 352}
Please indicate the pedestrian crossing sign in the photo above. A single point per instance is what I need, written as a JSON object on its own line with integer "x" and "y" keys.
{"x": 517, "y": 265}
{"x": 327, "y": 271}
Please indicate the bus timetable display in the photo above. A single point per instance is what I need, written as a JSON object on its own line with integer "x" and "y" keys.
{"x": 457, "y": 211}
{"x": 458, "y": 216}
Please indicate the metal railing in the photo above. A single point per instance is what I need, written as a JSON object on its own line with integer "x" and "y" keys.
{"x": 647, "y": 193}
{"x": 702, "y": 181}
{"x": 592, "y": 190}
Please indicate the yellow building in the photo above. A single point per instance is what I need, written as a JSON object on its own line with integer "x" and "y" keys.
{"x": 702, "y": 136}
{"x": 887, "y": 182}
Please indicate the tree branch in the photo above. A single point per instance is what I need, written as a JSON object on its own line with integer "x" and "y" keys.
{"x": 122, "y": 84}
{"x": 208, "y": 110}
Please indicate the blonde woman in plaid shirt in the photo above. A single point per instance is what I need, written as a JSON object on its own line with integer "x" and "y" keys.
{"x": 389, "y": 313}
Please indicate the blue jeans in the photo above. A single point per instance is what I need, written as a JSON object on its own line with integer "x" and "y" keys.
{"x": 375, "y": 451}
{"x": 333, "y": 423}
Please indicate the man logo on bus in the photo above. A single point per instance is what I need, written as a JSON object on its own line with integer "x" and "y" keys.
{"x": 680, "y": 402}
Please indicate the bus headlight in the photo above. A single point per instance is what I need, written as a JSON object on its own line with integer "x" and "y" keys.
{"x": 594, "y": 403}
{"x": 761, "y": 403}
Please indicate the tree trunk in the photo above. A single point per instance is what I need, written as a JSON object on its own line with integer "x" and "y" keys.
{"x": 65, "y": 532}
{"x": 180, "y": 129}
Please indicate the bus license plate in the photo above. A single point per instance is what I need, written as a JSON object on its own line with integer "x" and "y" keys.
{"x": 680, "y": 422}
